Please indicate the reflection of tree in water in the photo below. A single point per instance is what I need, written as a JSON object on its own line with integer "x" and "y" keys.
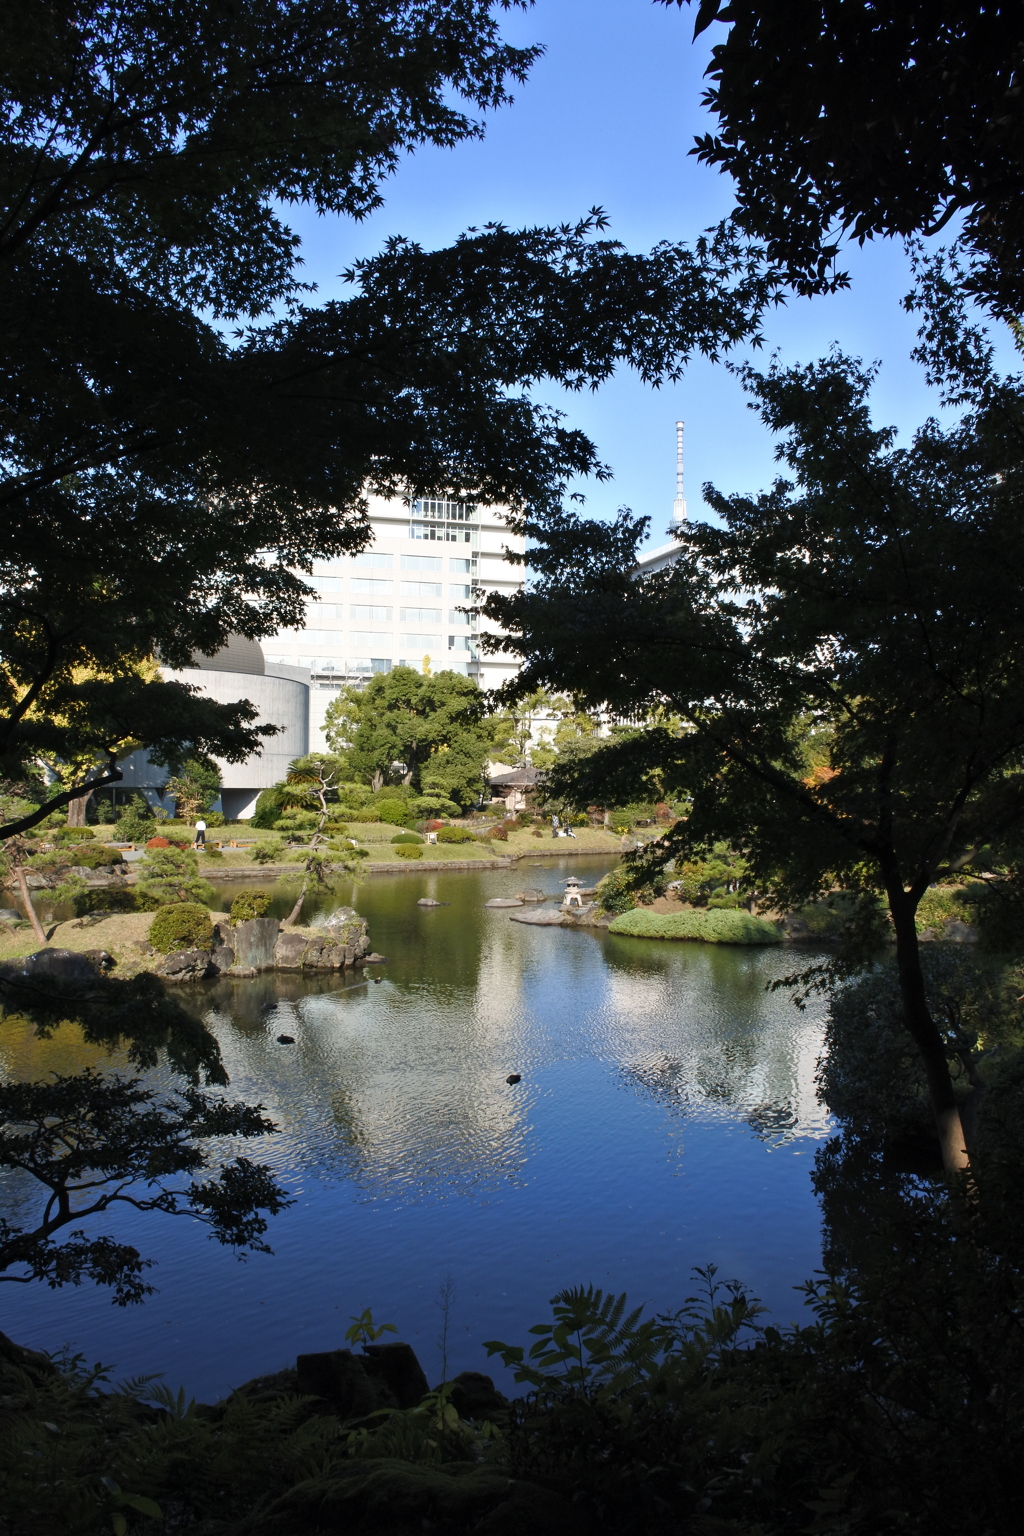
{"x": 663, "y": 1079}
{"x": 770, "y": 1120}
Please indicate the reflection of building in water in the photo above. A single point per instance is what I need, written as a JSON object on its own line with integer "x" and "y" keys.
{"x": 750, "y": 1057}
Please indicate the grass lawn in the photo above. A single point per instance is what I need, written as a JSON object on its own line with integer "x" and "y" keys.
{"x": 708, "y": 925}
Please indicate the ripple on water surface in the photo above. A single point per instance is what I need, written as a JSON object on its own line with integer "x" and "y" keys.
{"x": 666, "y": 1117}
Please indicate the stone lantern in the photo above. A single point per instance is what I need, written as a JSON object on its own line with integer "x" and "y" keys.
{"x": 573, "y": 895}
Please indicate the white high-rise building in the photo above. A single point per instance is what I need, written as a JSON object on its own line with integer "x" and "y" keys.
{"x": 401, "y": 602}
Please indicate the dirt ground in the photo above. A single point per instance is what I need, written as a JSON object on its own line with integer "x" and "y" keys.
{"x": 122, "y": 934}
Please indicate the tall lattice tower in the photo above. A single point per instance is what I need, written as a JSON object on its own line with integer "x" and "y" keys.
{"x": 679, "y": 505}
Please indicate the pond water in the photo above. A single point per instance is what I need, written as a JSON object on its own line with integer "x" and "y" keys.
{"x": 666, "y": 1118}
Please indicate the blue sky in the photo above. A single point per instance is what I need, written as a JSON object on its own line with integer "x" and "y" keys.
{"x": 607, "y": 118}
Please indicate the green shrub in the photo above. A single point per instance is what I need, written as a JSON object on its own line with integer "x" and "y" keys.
{"x": 248, "y": 904}
{"x": 264, "y": 853}
{"x": 455, "y": 835}
{"x": 943, "y": 904}
{"x": 172, "y": 876}
{"x": 72, "y": 835}
{"x": 710, "y": 925}
{"x": 268, "y": 809}
{"x": 406, "y": 837}
{"x": 114, "y": 901}
{"x": 337, "y": 828}
{"x": 296, "y": 821}
{"x": 367, "y": 813}
{"x": 212, "y": 853}
{"x": 615, "y": 893}
{"x": 215, "y": 819}
{"x": 181, "y": 925}
{"x": 78, "y": 855}
{"x": 404, "y": 851}
{"x": 133, "y": 826}
{"x": 395, "y": 813}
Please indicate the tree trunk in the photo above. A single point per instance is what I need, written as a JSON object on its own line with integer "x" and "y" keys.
{"x": 921, "y": 1026}
{"x": 30, "y": 911}
{"x": 294, "y": 914}
{"x": 76, "y": 809}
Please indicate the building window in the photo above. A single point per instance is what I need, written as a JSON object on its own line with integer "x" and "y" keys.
{"x": 324, "y": 583}
{"x": 458, "y": 592}
{"x": 419, "y": 615}
{"x": 361, "y": 614}
{"x": 375, "y": 560}
{"x": 367, "y": 642}
{"x": 422, "y": 563}
{"x": 433, "y": 510}
{"x": 447, "y": 522}
{"x": 456, "y": 618}
{"x": 422, "y": 589}
{"x": 414, "y": 643}
{"x": 369, "y": 664}
{"x": 460, "y": 567}
{"x": 462, "y": 643}
{"x": 372, "y": 587}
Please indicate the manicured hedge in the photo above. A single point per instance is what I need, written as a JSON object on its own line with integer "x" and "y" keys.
{"x": 248, "y": 904}
{"x": 456, "y": 835}
{"x": 408, "y": 851}
{"x": 407, "y": 837}
{"x": 710, "y": 925}
{"x": 181, "y": 925}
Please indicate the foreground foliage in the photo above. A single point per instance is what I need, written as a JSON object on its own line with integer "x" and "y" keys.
{"x": 895, "y": 1408}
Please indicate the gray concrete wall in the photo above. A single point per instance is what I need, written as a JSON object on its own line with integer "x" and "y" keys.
{"x": 280, "y": 700}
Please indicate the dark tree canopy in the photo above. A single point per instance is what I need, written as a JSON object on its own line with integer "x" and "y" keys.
{"x": 837, "y": 117}
{"x": 874, "y": 595}
{"x": 96, "y": 1143}
{"x": 162, "y": 475}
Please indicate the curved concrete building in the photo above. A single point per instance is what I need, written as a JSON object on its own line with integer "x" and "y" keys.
{"x": 280, "y": 694}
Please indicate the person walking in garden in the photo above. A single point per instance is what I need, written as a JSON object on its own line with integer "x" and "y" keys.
{"x": 200, "y": 833}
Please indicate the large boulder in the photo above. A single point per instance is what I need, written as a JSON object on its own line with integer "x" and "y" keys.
{"x": 54, "y": 965}
{"x": 288, "y": 951}
{"x": 503, "y": 901}
{"x": 222, "y": 958}
{"x": 544, "y": 917}
{"x": 347, "y": 929}
{"x": 338, "y": 1376}
{"x": 397, "y": 1367}
{"x": 187, "y": 965}
{"x": 474, "y": 1396}
{"x": 254, "y": 941}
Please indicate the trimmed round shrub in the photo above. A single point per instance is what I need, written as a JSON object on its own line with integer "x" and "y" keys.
{"x": 89, "y": 856}
{"x": 248, "y": 904}
{"x": 394, "y": 812}
{"x": 264, "y": 853}
{"x": 337, "y": 828}
{"x": 455, "y": 835}
{"x": 406, "y": 837}
{"x": 181, "y": 925}
{"x": 407, "y": 851}
{"x": 210, "y": 852}
{"x": 73, "y": 835}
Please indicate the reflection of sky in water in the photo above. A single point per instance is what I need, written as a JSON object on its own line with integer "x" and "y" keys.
{"x": 656, "y": 1078}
